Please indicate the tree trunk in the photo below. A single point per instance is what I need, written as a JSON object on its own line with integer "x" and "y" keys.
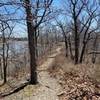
{"x": 4, "y": 66}
{"x": 70, "y": 49}
{"x": 76, "y": 44}
{"x": 32, "y": 50}
{"x": 66, "y": 45}
{"x": 1, "y": 69}
{"x": 76, "y": 38}
{"x": 94, "y": 49}
{"x": 36, "y": 45}
{"x": 5, "y": 75}
{"x": 31, "y": 42}
{"x": 4, "y": 60}
{"x": 82, "y": 52}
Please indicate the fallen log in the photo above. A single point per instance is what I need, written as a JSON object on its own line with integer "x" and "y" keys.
{"x": 15, "y": 89}
{"x": 94, "y": 52}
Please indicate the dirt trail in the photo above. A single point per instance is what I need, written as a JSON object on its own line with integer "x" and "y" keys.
{"x": 48, "y": 87}
{"x": 51, "y": 86}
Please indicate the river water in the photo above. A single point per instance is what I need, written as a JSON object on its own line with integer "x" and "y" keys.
{"x": 18, "y": 46}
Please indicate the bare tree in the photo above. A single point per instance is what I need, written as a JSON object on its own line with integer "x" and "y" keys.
{"x": 87, "y": 31}
{"x": 70, "y": 45}
{"x": 64, "y": 33}
{"x": 75, "y": 15}
{"x": 32, "y": 26}
{"x": 82, "y": 14}
{"x": 6, "y": 31}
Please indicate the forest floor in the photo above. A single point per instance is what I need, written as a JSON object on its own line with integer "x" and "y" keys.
{"x": 48, "y": 87}
{"x": 60, "y": 79}
{"x": 79, "y": 82}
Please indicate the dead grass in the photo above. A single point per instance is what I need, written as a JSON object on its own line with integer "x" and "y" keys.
{"x": 67, "y": 65}
{"x": 82, "y": 78}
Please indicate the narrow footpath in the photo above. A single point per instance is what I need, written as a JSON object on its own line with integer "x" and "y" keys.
{"x": 48, "y": 87}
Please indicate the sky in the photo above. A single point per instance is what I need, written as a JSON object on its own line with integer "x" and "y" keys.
{"x": 20, "y": 27}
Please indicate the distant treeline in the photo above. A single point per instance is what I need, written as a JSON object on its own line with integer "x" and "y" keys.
{"x": 16, "y": 38}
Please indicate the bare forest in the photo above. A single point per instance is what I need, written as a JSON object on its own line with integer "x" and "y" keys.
{"x": 49, "y": 49}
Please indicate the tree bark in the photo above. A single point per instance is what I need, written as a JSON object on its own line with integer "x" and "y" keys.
{"x": 82, "y": 52}
{"x": 66, "y": 45}
{"x": 31, "y": 42}
{"x": 70, "y": 48}
{"x": 76, "y": 38}
{"x": 94, "y": 49}
{"x": 4, "y": 60}
{"x": 76, "y": 42}
{"x": 1, "y": 69}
